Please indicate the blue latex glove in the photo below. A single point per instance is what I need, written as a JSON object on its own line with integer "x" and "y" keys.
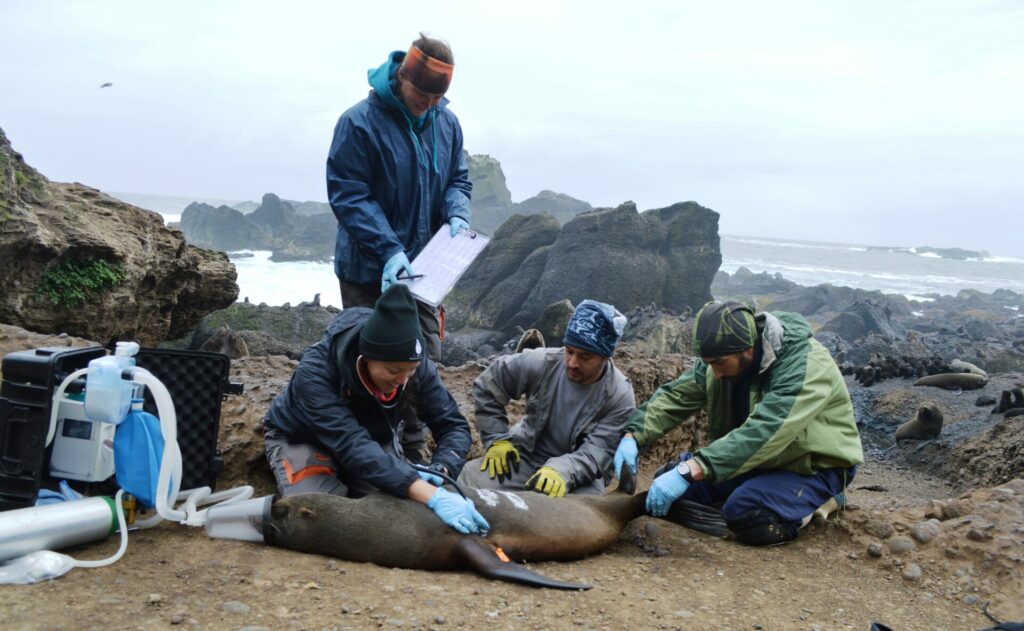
{"x": 457, "y": 512}
{"x": 431, "y": 478}
{"x": 392, "y": 268}
{"x": 667, "y": 488}
{"x": 626, "y": 453}
{"x": 457, "y": 222}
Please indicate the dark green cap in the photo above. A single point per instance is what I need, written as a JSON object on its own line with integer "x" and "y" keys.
{"x": 392, "y": 332}
{"x": 722, "y": 328}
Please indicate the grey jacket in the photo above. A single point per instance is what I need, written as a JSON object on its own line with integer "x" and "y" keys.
{"x": 534, "y": 373}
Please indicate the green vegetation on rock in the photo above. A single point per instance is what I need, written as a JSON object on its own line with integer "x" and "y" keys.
{"x": 72, "y": 282}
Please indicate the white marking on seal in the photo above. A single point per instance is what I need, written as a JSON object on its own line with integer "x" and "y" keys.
{"x": 517, "y": 501}
{"x": 487, "y": 496}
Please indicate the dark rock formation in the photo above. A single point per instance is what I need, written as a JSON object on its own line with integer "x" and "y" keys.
{"x": 489, "y": 188}
{"x": 667, "y": 256}
{"x": 274, "y": 225}
{"x": 863, "y": 318}
{"x": 156, "y": 287}
{"x": 560, "y": 206}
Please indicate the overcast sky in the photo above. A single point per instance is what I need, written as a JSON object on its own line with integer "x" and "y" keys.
{"x": 883, "y": 123}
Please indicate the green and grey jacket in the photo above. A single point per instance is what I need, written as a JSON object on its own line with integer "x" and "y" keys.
{"x": 535, "y": 373}
{"x": 801, "y": 417}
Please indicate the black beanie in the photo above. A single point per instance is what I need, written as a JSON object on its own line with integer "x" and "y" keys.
{"x": 392, "y": 332}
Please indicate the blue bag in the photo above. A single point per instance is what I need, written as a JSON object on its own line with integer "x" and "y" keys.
{"x": 138, "y": 448}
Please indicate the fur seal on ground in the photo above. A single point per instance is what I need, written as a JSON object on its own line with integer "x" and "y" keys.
{"x": 526, "y": 526}
{"x": 953, "y": 380}
{"x": 960, "y": 365}
{"x": 926, "y": 424}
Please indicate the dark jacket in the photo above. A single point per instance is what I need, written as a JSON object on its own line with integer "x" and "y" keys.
{"x": 392, "y": 180}
{"x": 331, "y": 407}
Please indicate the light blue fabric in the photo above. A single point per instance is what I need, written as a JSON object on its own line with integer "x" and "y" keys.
{"x": 626, "y": 452}
{"x": 595, "y": 327}
{"x": 430, "y": 478}
{"x": 138, "y": 448}
{"x": 458, "y": 512}
{"x": 666, "y": 489}
{"x": 387, "y": 193}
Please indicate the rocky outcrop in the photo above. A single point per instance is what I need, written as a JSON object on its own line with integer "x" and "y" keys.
{"x": 560, "y": 206}
{"x": 489, "y": 188}
{"x": 274, "y": 225}
{"x": 78, "y": 261}
{"x": 666, "y": 256}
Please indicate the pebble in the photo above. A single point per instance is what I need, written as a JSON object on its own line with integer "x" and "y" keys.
{"x": 900, "y": 544}
{"x": 178, "y": 618}
{"x": 652, "y": 529}
{"x": 683, "y": 613}
{"x": 233, "y": 606}
{"x": 925, "y": 531}
{"x": 879, "y": 528}
{"x": 875, "y": 549}
{"x": 977, "y": 534}
{"x": 912, "y": 572}
{"x": 440, "y": 620}
{"x": 971, "y": 599}
{"x": 155, "y": 599}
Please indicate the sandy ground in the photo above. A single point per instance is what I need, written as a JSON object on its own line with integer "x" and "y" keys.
{"x": 657, "y": 576}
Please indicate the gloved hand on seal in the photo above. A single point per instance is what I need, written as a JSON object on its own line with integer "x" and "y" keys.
{"x": 458, "y": 512}
{"x": 666, "y": 489}
{"x": 547, "y": 480}
{"x": 501, "y": 459}
{"x": 626, "y": 453}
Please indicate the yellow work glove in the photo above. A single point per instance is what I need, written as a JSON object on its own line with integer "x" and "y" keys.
{"x": 500, "y": 460}
{"x": 547, "y": 480}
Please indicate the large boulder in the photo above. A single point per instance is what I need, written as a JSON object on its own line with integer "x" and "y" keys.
{"x": 78, "y": 261}
{"x": 865, "y": 317}
{"x": 489, "y": 188}
{"x": 666, "y": 256}
{"x": 220, "y": 228}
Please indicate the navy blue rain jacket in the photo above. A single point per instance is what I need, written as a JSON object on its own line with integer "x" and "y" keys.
{"x": 392, "y": 180}
{"x": 328, "y": 405}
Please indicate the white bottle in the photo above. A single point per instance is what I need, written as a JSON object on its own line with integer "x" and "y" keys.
{"x": 108, "y": 394}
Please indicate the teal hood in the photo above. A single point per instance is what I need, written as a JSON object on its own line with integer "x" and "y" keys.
{"x": 381, "y": 79}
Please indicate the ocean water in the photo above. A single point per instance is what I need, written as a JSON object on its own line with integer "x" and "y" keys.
{"x": 804, "y": 262}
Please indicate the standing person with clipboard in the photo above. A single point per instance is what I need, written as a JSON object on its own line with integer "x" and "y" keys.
{"x": 396, "y": 175}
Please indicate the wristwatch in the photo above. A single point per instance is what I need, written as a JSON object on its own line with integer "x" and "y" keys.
{"x": 683, "y": 469}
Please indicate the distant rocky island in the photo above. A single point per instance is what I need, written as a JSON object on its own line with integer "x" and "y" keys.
{"x": 946, "y": 253}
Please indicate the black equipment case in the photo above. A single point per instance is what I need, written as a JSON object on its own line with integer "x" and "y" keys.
{"x": 197, "y": 382}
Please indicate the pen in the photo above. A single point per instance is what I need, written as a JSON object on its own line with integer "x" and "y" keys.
{"x": 409, "y": 277}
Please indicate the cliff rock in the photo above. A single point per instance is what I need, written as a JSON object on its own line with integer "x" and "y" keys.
{"x": 78, "y": 261}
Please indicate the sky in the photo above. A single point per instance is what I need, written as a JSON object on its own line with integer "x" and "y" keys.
{"x": 867, "y": 122}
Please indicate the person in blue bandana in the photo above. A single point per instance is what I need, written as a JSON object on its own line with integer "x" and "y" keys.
{"x": 577, "y": 406}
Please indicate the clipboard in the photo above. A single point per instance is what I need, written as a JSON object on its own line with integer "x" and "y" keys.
{"x": 442, "y": 262}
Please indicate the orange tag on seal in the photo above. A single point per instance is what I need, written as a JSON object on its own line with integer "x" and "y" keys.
{"x": 501, "y": 555}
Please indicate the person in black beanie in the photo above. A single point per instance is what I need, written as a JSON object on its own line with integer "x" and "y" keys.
{"x": 336, "y": 426}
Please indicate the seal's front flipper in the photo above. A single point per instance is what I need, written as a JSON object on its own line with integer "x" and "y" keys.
{"x": 490, "y": 561}
{"x": 706, "y": 519}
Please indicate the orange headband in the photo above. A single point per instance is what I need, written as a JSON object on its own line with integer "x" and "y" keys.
{"x": 426, "y": 73}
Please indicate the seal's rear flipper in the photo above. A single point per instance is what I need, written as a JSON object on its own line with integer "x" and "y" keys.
{"x": 627, "y": 480}
{"x": 490, "y": 561}
{"x": 699, "y": 517}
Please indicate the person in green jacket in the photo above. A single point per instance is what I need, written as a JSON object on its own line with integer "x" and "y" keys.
{"x": 784, "y": 440}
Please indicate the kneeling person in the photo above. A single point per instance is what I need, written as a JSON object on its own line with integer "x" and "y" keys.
{"x": 335, "y": 428}
{"x": 577, "y": 406}
{"x": 784, "y": 439}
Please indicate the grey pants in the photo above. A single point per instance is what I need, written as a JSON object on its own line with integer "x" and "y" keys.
{"x": 474, "y": 478}
{"x": 308, "y": 468}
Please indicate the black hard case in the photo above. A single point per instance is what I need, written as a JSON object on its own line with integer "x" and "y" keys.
{"x": 26, "y": 399}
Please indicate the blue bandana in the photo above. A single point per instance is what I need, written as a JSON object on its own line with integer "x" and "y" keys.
{"x": 595, "y": 327}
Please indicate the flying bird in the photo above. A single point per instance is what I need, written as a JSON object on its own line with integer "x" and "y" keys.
{"x": 106, "y": 85}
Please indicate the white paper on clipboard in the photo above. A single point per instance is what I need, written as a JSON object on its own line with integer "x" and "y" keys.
{"x": 443, "y": 262}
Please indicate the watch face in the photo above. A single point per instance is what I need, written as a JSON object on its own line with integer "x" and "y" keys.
{"x": 684, "y": 470}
